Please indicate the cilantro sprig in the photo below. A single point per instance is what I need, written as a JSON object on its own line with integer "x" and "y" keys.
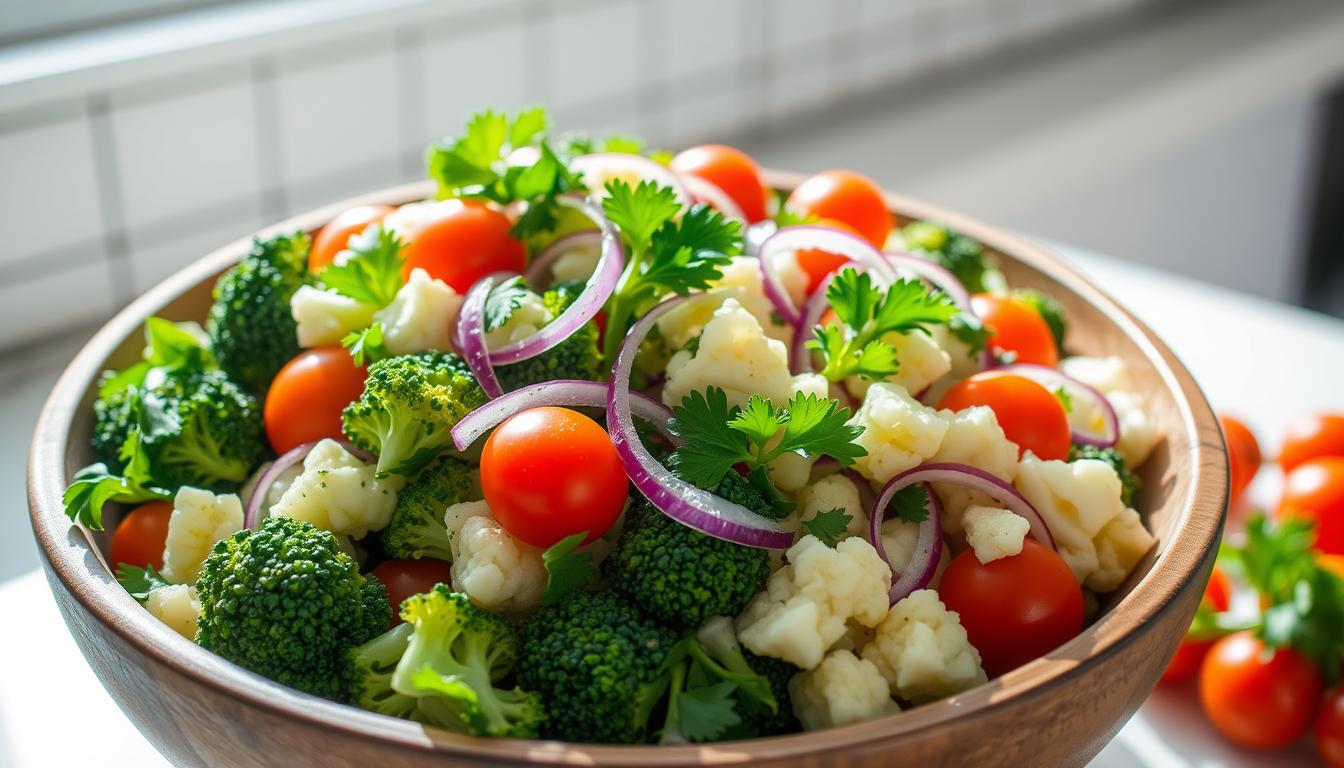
{"x": 139, "y": 582}
{"x": 829, "y": 526}
{"x": 371, "y": 274}
{"x": 366, "y": 347}
{"x": 719, "y": 436}
{"x": 568, "y": 568}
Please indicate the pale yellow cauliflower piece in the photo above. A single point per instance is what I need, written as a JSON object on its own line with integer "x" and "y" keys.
{"x": 734, "y": 354}
{"x": 994, "y": 532}
{"x": 421, "y": 316}
{"x": 339, "y": 493}
{"x": 843, "y": 689}
{"x": 740, "y": 281}
{"x": 1120, "y": 545}
{"x": 805, "y": 605}
{"x": 576, "y": 264}
{"x": 922, "y": 650}
{"x": 899, "y": 540}
{"x": 831, "y": 492}
{"x": 527, "y": 318}
{"x": 495, "y": 570}
{"x": 1138, "y": 433}
{"x": 176, "y": 605}
{"x": 199, "y": 520}
{"x": 899, "y": 432}
{"x": 922, "y": 363}
{"x": 325, "y": 316}
{"x": 975, "y": 438}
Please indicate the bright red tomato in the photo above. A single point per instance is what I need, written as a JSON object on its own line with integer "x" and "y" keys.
{"x": 1243, "y": 454}
{"x": 332, "y": 239}
{"x": 1258, "y": 699}
{"x": 729, "y": 169}
{"x": 845, "y": 196}
{"x": 404, "y": 578}
{"x": 1185, "y": 664}
{"x": 818, "y": 264}
{"x": 1314, "y": 490}
{"x": 1029, "y": 414}
{"x": 1015, "y": 608}
{"x": 461, "y": 243}
{"x": 307, "y": 396}
{"x": 549, "y": 472}
{"x": 140, "y": 536}
{"x": 1320, "y": 434}
{"x": 1330, "y": 729}
{"x": 1017, "y": 328}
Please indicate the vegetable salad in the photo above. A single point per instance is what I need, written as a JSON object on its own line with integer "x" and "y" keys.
{"x": 773, "y": 462}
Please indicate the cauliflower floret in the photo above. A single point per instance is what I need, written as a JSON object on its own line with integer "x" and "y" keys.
{"x": 530, "y": 315}
{"x": 831, "y": 492}
{"x": 922, "y": 651}
{"x": 1079, "y": 500}
{"x": 1138, "y": 433}
{"x": 495, "y": 570}
{"x": 742, "y": 280}
{"x": 899, "y": 432}
{"x": 339, "y": 493}
{"x": 277, "y": 487}
{"x": 421, "y": 316}
{"x": 994, "y": 532}
{"x": 922, "y": 363}
{"x": 734, "y": 354}
{"x": 176, "y": 605}
{"x": 975, "y": 438}
{"x": 199, "y": 520}
{"x": 790, "y": 472}
{"x": 806, "y": 603}
{"x": 844, "y": 689}
{"x": 325, "y": 316}
{"x": 576, "y": 264}
{"x": 1105, "y": 374}
{"x": 898, "y": 542}
{"x": 963, "y": 362}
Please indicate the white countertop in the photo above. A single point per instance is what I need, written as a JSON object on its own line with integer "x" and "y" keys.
{"x": 1263, "y": 361}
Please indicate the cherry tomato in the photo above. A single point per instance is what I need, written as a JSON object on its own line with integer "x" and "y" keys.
{"x": 1330, "y": 729}
{"x": 461, "y": 242}
{"x": 307, "y": 396}
{"x": 1258, "y": 698}
{"x": 729, "y": 169}
{"x": 845, "y": 196}
{"x": 549, "y": 472}
{"x": 1243, "y": 454}
{"x": 1029, "y": 414}
{"x": 140, "y": 537}
{"x": 1320, "y": 434}
{"x": 1017, "y": 328}
{"x": 818, "y": 264}
{"x": 1314, "y": 490}
{"x": 404, "y": 578}
{"x": 332, "y": 239}
{"x": 1185, "y": 664}
{"x": 1015, "y": 608}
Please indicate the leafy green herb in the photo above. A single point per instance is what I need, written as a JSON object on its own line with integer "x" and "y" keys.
{"x": 973, "y": 333}
{"x": 964, "y": 257}
{"x": 372, "y": 273}
{"x": 568, "y": 568}
{"x": 503, "y": 300}
{"x": 705, "y": 713}
{"x": 1050, "y": 310}
{"x": 1065, "y": 399}
{"x": 139, "y": 582}
{"x": 829, "y": 526}
{"x": 170, "y": 347}
{"x": 366, "y": 347}
{"x": 94, "y": 486}
{"x": 911, "y": 504}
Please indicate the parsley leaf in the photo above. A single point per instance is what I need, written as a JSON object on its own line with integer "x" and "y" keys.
{"x": 366, "y": 347}
{"x": 971, "y": 331}
{"x": 704, "y": 713}
{"x": 829, "y": 526}
{"x": 503, "y": 300}
{"x": 639, "y": 211}
{"x": 911, "y": 504}
{"x": 139, "y": 582}
{"x": 372, "y": 273}
{"x": 712, "y": 446}
{"x": 690, "y": 255}
{"x": 94, "y": 486}
{"x": 568, "y": 568}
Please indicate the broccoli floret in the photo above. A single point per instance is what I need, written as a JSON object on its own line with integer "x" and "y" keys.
{"x": 1129, "y": 482}
{"x": 409, "y": 405}
{"x": 252, "y": 331}
{"x": 286, "y": 602}
{"x": 739, "y": 490}
{"x": 417, "y": 529}
{"x": 964, "y": 257}
{"x": 454, "y": 658}
{"x": 377, "y": 613}
{"x": 589, "y": 657}
{"x": 577, "y": 357}
{"x": 1050, "y": 310}
{"x": 373, "y": 664}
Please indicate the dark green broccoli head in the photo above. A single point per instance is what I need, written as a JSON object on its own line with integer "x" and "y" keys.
{"x": 1050, "y": 310}
{"x": 417, "y": 529}
{"x": 758, "y": 720}
{"x": 962, "y": 256}
{"x": 1129, "y": 482}
{"x": 409, "y": 405}
{"x": 252, "y": 330}
{"x": 577, "y": 357}
{"x": 739, "y": 490}
{"x": 286, "y": 602}
{"x": 589, "y": 657}
{"x": 680, "y": 575}
{"x": 377, "y": 614}
{"x": 456, "y": 654}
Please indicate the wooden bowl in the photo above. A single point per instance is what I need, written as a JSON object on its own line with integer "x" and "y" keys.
{"x": 200, "y": 710}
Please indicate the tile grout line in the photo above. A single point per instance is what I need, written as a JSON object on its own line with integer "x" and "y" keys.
{"x": 409, "y": 65}
{"x": 272, "y": 198}
{"x": 107, "y": 178}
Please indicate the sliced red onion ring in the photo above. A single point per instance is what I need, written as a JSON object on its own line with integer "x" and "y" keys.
{"x": 601, "y": 167}
{"x": 564, "y": 392}
{"x": 932, "y": 273}
{"x": 976, "y": 479}
{"x": 712, "y": 194}
{"x": 1077, "y": 390}
{"x": 252, "y": 515}
{"x": 800, "y": 357}
{"x": 813, "y": 237}
{"x": 542, "y": 262}
{"x": 471, "y": 336}
{"x": 928, "y": 546}
{"x": 679, "y": 500}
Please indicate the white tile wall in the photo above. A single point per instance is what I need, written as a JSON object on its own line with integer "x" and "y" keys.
{"x": 151, "y": 263}
{"x": 65, "y": 297}
{"x": 463, "y": 71}
{"x": 46, "y": 191}
{"x": 597, "y": 53}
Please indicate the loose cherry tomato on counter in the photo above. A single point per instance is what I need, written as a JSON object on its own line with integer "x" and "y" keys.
{"x": 139, "y": 538}
{"x": 307, "y": 396}
{"x": 1015, "y": 608}
{"x": 1314, "y": 490}
{"x": 848, "y": 197}
{"x": 459, "y": 242}
{"x": 1029, "y": 414}
{"x": 1016, "y": 327}
{"x": 729, "y": 169}
{"x": 1320, "y": 434}
{"x": 1185, "y": 664}
{"x": 332, "y": 238}
{"x": 550, "y": 472}
{"x": 1258, "y": 698}
{"x": 404, "y": 578}
{"x": 818, "y": 264}
{"x": 1243, "y": 454}
{"x": 1330, "y": 729}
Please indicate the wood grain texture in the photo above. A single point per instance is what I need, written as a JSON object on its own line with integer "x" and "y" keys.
{"x": 200, "y": 710}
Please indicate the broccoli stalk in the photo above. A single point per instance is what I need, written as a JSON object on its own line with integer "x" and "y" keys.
{"x": 373, "y": 664}
{"x": 417, "y": 529}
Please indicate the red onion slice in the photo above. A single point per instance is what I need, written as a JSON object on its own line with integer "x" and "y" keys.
{"x": 820, "y": 238}
{"x": 933, "y": 273}
{"x": 542, "y": 262}
{"x": 679, "y": 500}
{"x": 471, "y": 336}
{"x": 928, "y": 545}
{"x": 707, "y": 192}
{"x": 976, "y": 479}
{"x": 601, "y": 167}
{"x": 800, "y": 357}
{"x": 564, "y": 392}
{"x": 252, "y": 515}
{"x": 1077, "y": 390}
